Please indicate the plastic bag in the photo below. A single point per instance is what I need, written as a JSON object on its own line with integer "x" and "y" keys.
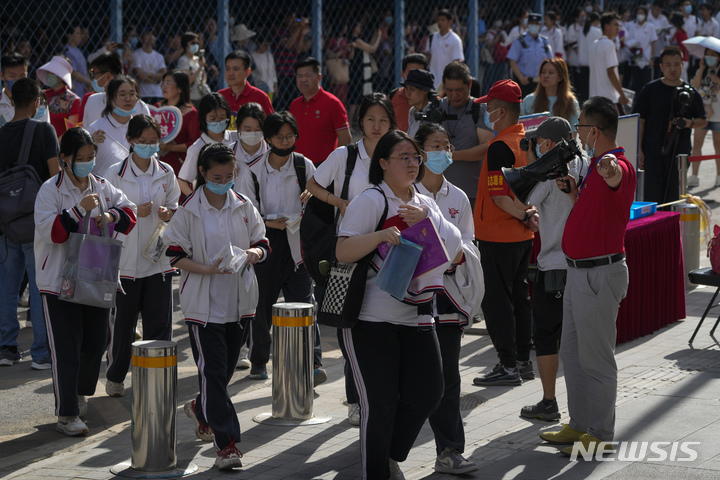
{"x": 231, "y": 258}
{"x": 397, "y": 270}
{"x": 155, "y": 247}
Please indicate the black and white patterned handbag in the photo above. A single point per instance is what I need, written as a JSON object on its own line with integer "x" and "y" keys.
{"x": 345, "y": 288}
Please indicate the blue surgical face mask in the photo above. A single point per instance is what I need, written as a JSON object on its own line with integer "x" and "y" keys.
{"x": 537, "y": 150}
{"x": 439, "y": 161}
{"x": 9, "y": 84}
{"x": 220, "y": 188}
{"x": 51, "y": 80}
{"x": 710, "y": 61}
{"x": 194, "y": 48}
{"x": 146, "y": 150}
{"x": 40, "y": 112}
{"x": 83, "y": 169}
{"x": 491, "y": 125}
{"x": 134, "y": 42}
{"x": 688, "y": 8}
{"x": 96, "y": 87}
{"x": 590, "y": 151}
{"x": 533, "y": 29}
{"x": 124, "y": 113}
{"x": 217, "y": 127}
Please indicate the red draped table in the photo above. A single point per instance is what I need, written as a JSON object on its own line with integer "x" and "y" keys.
{"x": 656, "y": 294}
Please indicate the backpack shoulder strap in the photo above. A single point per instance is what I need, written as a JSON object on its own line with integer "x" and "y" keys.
{"x": 27, "y": 142}
{"x": 521, "y": 38}
{"x": 475, "y": 112}
{"x": 256, "y": 184}
{"x": 352, "y": 149}
{"x": 300, "y": 170}
{"x": 385, "y": 210}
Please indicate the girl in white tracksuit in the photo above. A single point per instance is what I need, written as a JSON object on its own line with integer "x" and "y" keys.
{"x": 217, "y": 305}
{"x": 152, "y": 186}
{"x": 77, "y": 334}
{"x": 393, "y": 348}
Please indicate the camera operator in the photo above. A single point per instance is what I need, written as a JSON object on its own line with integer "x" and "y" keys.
{"x": 666, "y": 117}
{"x": 464, "y": 121}
{"x": 419, "y": 92}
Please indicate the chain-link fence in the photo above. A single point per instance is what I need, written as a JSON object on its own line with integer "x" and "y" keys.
{"x": 357, "y": 40}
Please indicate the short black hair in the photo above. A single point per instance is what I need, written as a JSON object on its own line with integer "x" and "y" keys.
{"x": 112, "y": 90}
{"x": 707, "y": 6}
{"x": 670, "y": 50}
{"x": 240, "y": 55}
{"x": 73, "y": 140}
{"x": 457, "y": 70}
{"x": 384, "y": 149}
{"x": 186, "y": 38}
{"x": 380, "y": 99}
{"x": 108, "y": 61}
{"x": 445, "y": 13}
{"x": 643, "y": 8}
{"x": 677, "y": 19}
{"x": 252, "y": 110}
{"x": 427, "y": 129}
{"x": 607, "y": 18}
{"x": 138, "y": 124}
{"x": 307, "y": 62}
{"x": 551, "y": 15}
{"x": 212, "y": 154}
{"x": 13, "y": 59}
{"x": 275, "y": 121}
{"x": 24, "y": 92}
{"x": 211, "y": 101}
{"x": 602, "y": 112}
{"x": 418, "y": 58}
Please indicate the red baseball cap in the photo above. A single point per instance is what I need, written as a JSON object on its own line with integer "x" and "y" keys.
{"x": 505, "y": 90}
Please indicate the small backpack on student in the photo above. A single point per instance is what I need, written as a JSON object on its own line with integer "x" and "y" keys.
{"x": 19, "y": 187}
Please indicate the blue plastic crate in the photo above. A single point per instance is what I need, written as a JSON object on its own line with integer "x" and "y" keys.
{"x": 642, "y": 209}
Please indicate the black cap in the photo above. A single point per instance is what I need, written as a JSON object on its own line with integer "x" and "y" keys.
{"x": 535, "y": 17}
{"x": 553, "y": 128}
{"x": 421, "y": 79}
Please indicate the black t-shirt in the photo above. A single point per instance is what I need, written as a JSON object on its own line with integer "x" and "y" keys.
{"x": 44, "y": 146}
{"x": 654, "y": 104}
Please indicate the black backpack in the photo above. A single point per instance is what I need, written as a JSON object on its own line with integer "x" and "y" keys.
{"x": 317, "y": 227}
{"x": 19, "y": 187}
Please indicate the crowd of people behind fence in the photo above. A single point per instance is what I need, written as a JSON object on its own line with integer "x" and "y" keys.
{"x": 249, "y": 159}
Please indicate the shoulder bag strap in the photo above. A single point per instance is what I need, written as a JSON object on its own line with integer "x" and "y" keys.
{"x": 27, "y": 142}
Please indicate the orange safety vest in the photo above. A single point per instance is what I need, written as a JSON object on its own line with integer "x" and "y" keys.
{"x": 492, "y": 224}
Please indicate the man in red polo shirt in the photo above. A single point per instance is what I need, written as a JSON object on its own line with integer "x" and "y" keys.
{"x": 413, "y": 61}
{"x": 597, "y": 280}
{"x": 239, "y": 91}
{"x": 321, "y": 117}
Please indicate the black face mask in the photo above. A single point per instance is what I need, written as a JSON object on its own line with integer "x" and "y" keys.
{"x": 282, "y": 152}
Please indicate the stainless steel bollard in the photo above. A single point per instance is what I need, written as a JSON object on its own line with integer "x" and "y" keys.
{"x": 292, "y": 377}
{"x": 690, "y": 231}
{"x": 154, "y": 406}
{"x": 682, "y": 160}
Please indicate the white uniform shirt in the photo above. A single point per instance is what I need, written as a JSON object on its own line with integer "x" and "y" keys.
{"x": 690, "y": 26}
{"x": 661, "y": 22}
{"x": 454, "y": 206}
{"x": 555, "y": 39}
{"x": 115, "y": 148}
{"x": 584, "y": 43}
{"x": 96, "y": 104}
{"x": 281, "y": 192}
{"x": 572, "y": 36}
{"x": 444, "y": 49}
{"x": 514, "y": 34}
{"x": 151, "y": 62}
{"x": 641, "y": 36}
{"x": 188, "y": 171}
{"x": 223, "y": 288}
{"x": 711, "y": 28}
{"x": 332, "y": 170}
{"x": 604, "y": 56}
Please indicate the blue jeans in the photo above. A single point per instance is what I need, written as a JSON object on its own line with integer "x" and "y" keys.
{"x": 15, "y": 260}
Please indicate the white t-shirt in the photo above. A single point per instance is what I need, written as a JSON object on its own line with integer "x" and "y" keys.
{"x": 264, "y": 70}
{"x": 604, "y": 56}
{"x": 572, "y": 37}
{"x": 151, "y": 62}
{"x": 584, "y": 42}
{"x": 661, "y": 22}
{"x": 186, "y": 64}
{"x": 555, "y": 39}
{"x": 188, "y": 171}
{"x": 114, "y": 149}
{"x": 641, "y": 36}
{"x": 96, "y": 104}
{"x": 711, "y": 28}
{"x": 444, "y": 49}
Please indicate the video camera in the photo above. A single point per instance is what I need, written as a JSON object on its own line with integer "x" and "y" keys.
{"x": 434, "y": 114}
{"x": 681, "y": 99}
{"x": 550, "y": 166}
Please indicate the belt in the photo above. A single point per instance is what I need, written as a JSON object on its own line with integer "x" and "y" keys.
{"x": 596, "y": 262}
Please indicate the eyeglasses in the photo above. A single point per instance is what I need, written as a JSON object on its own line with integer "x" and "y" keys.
{"x": 281, "y": 139}
{"x": 410, "y": 160}
{"x": 127, "y": 96}
{"x": 578, "y": 125}
{"x": 435, "y": 148}
{"x": 93, "y": 74}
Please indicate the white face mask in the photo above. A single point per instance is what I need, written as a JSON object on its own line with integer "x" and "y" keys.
{"x": 251, "y": 138}
{"x": 640, "y": 17}
{"x": 590, "y": 151}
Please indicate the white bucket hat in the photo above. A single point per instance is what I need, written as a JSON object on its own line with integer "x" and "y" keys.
{"x": 240, "y": 33}
{"x": 60, "y": 67}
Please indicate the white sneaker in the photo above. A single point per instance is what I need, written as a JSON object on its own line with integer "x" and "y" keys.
{"x": 243, "y": 362}
{"x": 451, "y": 461}
{"x": 114, "y": 389}
{"x": 395, "y": 472}
{"x": 71, "y": 426}
{"x": 228, "y": 458}
{"x": 354, "y": 414}
{"x": 82, "y": 406}
{"x": 693, "y": 181}
{"x": 25, "y": 298}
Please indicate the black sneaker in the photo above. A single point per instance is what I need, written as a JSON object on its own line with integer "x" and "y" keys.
{"x": 9, "y": 356}
{"x": 526, "y": 370}
{"x": 540, "y": 411}
{"x": 500, "y": 375}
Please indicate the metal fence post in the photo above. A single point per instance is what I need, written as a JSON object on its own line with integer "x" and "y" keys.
{"x": 399, "y": 36}
{"x": 223, "y": 14}
{"x": 316, "y": 28}
{"x": 116, "y": 18}
{"x": 540, "y": 7}
{"x": 472, "y": 52}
